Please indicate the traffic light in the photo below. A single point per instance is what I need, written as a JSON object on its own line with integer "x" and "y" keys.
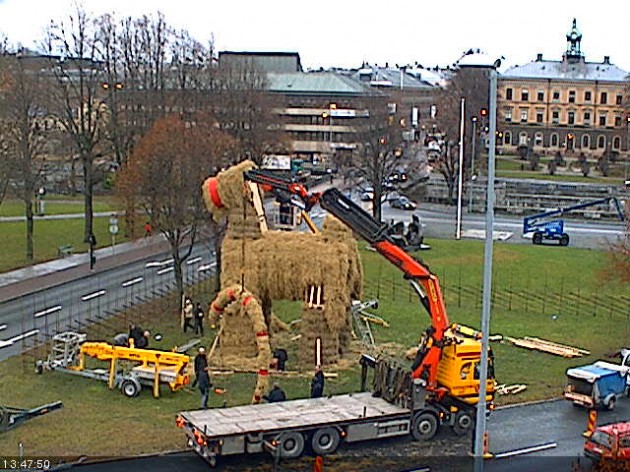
{"x": 484, "y": 112}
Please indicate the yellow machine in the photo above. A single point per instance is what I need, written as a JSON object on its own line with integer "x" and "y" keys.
{"x": 458, "y": 371}
{"x": 152, "y": 367}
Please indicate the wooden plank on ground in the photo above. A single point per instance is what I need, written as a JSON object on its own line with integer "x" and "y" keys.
{"x": 582, "y": 352}
{"x": 538, "y": 346}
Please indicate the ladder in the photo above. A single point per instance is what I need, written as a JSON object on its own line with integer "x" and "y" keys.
{"x": 363, "y": 320}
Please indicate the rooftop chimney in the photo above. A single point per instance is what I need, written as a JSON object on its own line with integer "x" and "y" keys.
{"x": 539, "y": 57}
{"x": 606, "y": 59}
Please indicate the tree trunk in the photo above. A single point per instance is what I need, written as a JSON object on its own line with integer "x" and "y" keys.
{"x": 177, "y": 272}
{"x": 451, "y": 191}
{"x": 88, "y": 195}
{"x": 28, "y": 205}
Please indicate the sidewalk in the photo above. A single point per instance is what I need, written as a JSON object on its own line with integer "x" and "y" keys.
{"x": 49, "y": 274}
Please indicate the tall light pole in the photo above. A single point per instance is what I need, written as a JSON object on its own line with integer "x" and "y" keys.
{"x": 472, "y": 163}
{"x": 480, "y": 425}
{"x": 460, "y": 173}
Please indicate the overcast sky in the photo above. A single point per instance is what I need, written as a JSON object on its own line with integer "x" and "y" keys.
{"x": 345, "y": 33}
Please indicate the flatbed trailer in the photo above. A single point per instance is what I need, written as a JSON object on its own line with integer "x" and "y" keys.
{"x": 284, "y": 429}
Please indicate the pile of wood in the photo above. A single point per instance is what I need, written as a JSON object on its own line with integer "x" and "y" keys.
{"x": 550, "y": 347}
{"x": 504, "y": 389}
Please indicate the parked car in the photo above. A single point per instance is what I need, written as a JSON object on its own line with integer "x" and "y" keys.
{"x": 367, "y": 194}
{"x": 402, "y": 203}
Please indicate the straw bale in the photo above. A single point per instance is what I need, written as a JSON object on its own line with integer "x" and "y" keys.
{"x": 230, "y": 189}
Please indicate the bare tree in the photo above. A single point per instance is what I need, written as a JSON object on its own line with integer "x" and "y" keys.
{"x": 75, "y": 63}
{"x": 472, "y": 85}
{"x": 165, "y": 174}
{"x": 24, "y": 135}
{"x": 378, "y": 138}
{"x": 244, "y": 109}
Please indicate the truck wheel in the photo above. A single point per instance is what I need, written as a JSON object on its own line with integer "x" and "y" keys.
{"x": 291, "y": 445}
{"x": 325, "y": 441}
{"x": 129, "y": 388}
{"x": 424, "y": 426}
{"x": 564, "y": 240}
{"x": 610, "y": 404}
{"x": 464, "y": 422}
{"x": 537, "y": 238}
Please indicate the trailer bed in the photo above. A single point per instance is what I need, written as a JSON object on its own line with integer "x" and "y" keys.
{"x": 291, "y": 414}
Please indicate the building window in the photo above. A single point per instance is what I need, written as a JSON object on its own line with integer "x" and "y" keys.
{"x": 571, "y": 118}
{"x": 555, "y": 117}
{"x": 603, "y": 98}
{"x": 538, "y": 139}
{"x": 602, "y": 119}
{"x": 524, "y": 115}
{"x": 540, "y": 115}
{"x": 601, "y": 141}
{"x": 522, "y": 139}
{"x": 587, "y": 118}
{"x": 554, "y": 139}
{"x": 616, "y": 142}
{"x": 524, "y": 95}
{"x": 541, "y": 95}
{"x": 571, "y": 96}
{"x": 508, "y": 138}
{"x": 617, "y": 121}
{"x": 556, "y": 96}
{"x": 587, "y": 96}
{"x": 586, "y": 141}
{"x": 508, "y": 94}
{"x": 508, "y": 114}
{"x": 619, "y": 100}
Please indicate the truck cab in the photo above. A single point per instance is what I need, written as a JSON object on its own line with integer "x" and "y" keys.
{"x": 610, "y": 443}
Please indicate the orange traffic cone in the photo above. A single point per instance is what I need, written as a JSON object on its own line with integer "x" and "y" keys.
{"x": 592, "y": 423}
{"x": 319, "y": 464}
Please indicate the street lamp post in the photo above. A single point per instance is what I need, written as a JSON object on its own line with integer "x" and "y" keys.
{"x": 460, "y": 173}
{"x": 472, "y": 163}
{"x": 480, "y": 425}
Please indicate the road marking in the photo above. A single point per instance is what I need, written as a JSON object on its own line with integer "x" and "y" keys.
{"x": 3, "y": 327}
{"x": 164, "y": 271}
{"x": 527, "y": 450}
{"x": 19, "y": 337}
{"x": 193, "y": 261}
{"x": 48, "y": 311}
{"x": 90, "y": 296}
{"x": 207, "y": 266}
{"x": 130, "y": 282}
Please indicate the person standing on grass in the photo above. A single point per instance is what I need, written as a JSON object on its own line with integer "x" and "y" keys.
{"x": 317, "y": 384}
{"x": 199, "y": 319}
{"x": 188, "y": 315}
{"x": 201, "y": 363}
{"x": 148, "y": 229}
{"x": 204, "y": 383}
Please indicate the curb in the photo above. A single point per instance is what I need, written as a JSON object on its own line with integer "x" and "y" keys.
{"x": 533, "y": 402}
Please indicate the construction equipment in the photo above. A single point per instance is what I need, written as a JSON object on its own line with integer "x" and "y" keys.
{"x": 442, "y": 387}
{"x": 363, "y": 319}
{"x": 10, "y": 417}
{"x": 608, "y": 447}
{"x": 152, "y": 367}
{"x": 545, "y": 229}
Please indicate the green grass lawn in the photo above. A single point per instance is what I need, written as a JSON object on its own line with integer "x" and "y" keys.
{"x": 549, "y": 292}
{"x": 60, "y": 205}
{"x": 48, "y": 236}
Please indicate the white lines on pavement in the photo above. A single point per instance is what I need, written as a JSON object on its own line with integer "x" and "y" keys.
{"x": 164, "y": 271}
{"x": 90, "y": 296}
{"x": 527, "y": 450}
{"x": 17, "y": 338}
{"x": 207, "y": 266}
{"x": 47, "y": 311}
{"x": 3, "y": 327}
{"x": 194, "y": 260}
{"x": 158, "y": 264}
{"x": 130, "y": 282}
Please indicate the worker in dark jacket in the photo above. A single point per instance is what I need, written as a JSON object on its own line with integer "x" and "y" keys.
{"x": 317, "y": 384}
{"x": 201, "y": 363}
{"x": 204, "y": 383}
{"x": 275, "y": 395}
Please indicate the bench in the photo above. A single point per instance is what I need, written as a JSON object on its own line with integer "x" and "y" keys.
{"x": 66, "y": 250}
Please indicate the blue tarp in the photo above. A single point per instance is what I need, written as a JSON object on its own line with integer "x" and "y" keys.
{"x": 608, "y": 381}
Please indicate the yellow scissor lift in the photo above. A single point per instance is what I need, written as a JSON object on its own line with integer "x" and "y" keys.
{"x": 153, "y": 367}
